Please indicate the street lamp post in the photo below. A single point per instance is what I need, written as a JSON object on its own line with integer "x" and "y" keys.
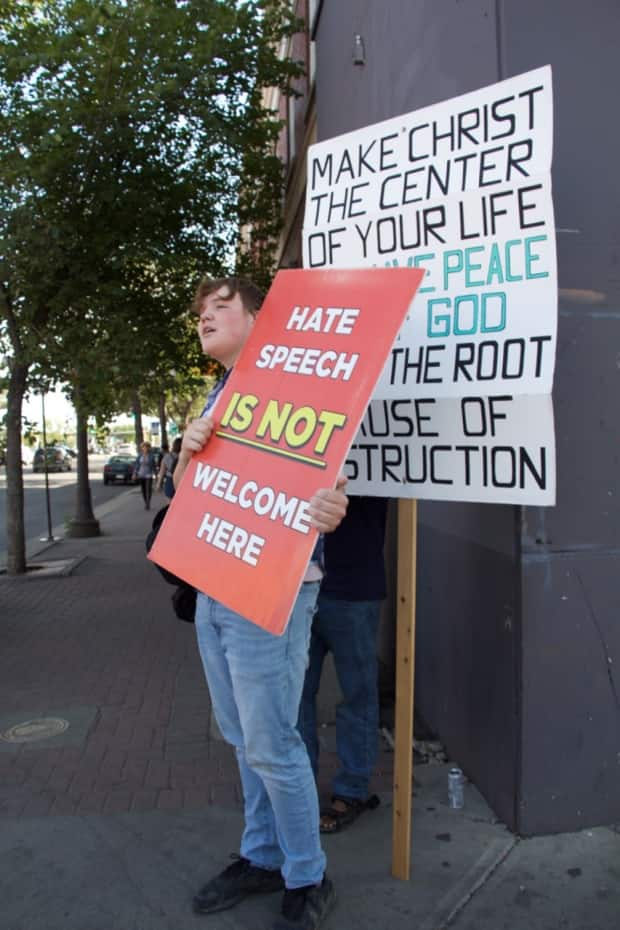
{"x": 49, "y": 537}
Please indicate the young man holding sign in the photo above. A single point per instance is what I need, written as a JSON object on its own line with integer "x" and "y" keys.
{"x": 255, "y": 680}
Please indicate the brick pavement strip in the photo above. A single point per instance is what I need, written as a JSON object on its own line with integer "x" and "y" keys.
{"x": 64, "y": 806}
{"x": 11, "y": 775}
{"x": 118, "y": 802}
{"x": 157, "y": 775}
{"x": 111, "y": 645}
{"x": 158, "y": 739}
{"x": 115, "y": 779}
{"x": 189, "y": 752}
{"x": 170, "y": 799}
{"x": 94, "y": 751}
{"x": 59, "y": 781}
{"x": 188, "y": 775}
{"x": 92, "y": 803}
{"x": 196, "y": 798}
{"x": 145, "y": 799}
{"x": 225, "y": 793}
{"x": 134, "y": 769}
{"x": 38, "y": 806}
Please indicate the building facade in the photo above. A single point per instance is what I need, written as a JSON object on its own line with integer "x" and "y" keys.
{"x": 518, "y": 657}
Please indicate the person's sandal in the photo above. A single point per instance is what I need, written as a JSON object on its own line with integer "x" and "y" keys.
{"x": 353, "y": 807}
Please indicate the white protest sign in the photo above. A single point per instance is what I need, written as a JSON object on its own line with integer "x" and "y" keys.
{"x": 461, "y": 189}
{"x": 456, "y": 448}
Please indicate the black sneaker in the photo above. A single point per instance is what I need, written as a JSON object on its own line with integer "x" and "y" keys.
{"x": 306, "y": 908}
{"x": 234, "y": 884}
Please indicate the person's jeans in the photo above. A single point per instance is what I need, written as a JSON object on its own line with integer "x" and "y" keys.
{"x": 146, "y": 486}
{"x": 349, "y": 630}
{"x": 255, "y": 680}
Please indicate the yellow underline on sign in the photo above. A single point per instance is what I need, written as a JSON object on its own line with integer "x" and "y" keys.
{"x": 318, "y": 463}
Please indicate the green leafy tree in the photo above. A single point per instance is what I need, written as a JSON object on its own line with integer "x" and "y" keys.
{"x": 133, "y": 143}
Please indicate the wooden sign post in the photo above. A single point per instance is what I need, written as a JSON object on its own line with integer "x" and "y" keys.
{"x": 405, "y": 667}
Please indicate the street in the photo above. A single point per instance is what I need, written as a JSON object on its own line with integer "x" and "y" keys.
{"x": 62, "y": 487}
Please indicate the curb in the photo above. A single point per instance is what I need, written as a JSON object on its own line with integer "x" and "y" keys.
{"x": 463, "y": 891}
{"x": 35, "y": 546}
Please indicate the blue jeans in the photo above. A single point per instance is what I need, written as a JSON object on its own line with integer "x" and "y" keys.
{"x": 255, "y": 681}
{"x": 349, "y": 630}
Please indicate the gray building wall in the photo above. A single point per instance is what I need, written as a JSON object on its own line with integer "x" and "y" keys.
{"x": 518, "y": 620}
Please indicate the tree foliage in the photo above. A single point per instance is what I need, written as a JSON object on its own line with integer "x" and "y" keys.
{"x": 133, "y": 144}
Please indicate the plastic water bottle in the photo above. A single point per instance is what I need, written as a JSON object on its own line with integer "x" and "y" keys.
{"x": 456, "y": 780}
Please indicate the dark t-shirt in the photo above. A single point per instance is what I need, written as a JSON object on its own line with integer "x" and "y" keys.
{"x": 354, "y": 567}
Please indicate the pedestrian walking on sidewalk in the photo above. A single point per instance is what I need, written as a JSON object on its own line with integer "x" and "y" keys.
{"x": 255, "y": 680}
{"x": 166, "y": 469}
{"x": 145, "y": 470}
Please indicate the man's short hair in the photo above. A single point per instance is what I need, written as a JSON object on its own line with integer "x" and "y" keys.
{"x": 251, "y": 295}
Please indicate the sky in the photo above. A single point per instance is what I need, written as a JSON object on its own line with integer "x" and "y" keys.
{"x": 59, "y": 411}
{"x": 57, "y": 408}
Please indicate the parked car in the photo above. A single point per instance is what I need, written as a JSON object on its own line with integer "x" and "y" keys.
{"x": 120, "y": 468}
{"x": 58, "y": 459}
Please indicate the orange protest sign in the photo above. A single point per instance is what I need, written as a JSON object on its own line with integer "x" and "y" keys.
{"x": 238, "y": 527}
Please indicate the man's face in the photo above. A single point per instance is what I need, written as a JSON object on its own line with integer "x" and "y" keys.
{"x": 224, "y": 325}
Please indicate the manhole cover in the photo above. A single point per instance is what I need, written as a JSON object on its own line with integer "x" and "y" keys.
{"x": 32, "y": 730}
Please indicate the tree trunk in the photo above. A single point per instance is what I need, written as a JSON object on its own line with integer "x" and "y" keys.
{"x": 16, "y": 542}
{"x": 136, "y": 404}
{"x": 162, "y": 421}
{"x": 83, "y": 523}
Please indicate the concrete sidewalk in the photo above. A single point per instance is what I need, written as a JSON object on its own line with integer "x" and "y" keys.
{"x": 115, "y": 820}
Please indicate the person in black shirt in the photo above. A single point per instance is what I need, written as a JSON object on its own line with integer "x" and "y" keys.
{"x": 346, "y": 623}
